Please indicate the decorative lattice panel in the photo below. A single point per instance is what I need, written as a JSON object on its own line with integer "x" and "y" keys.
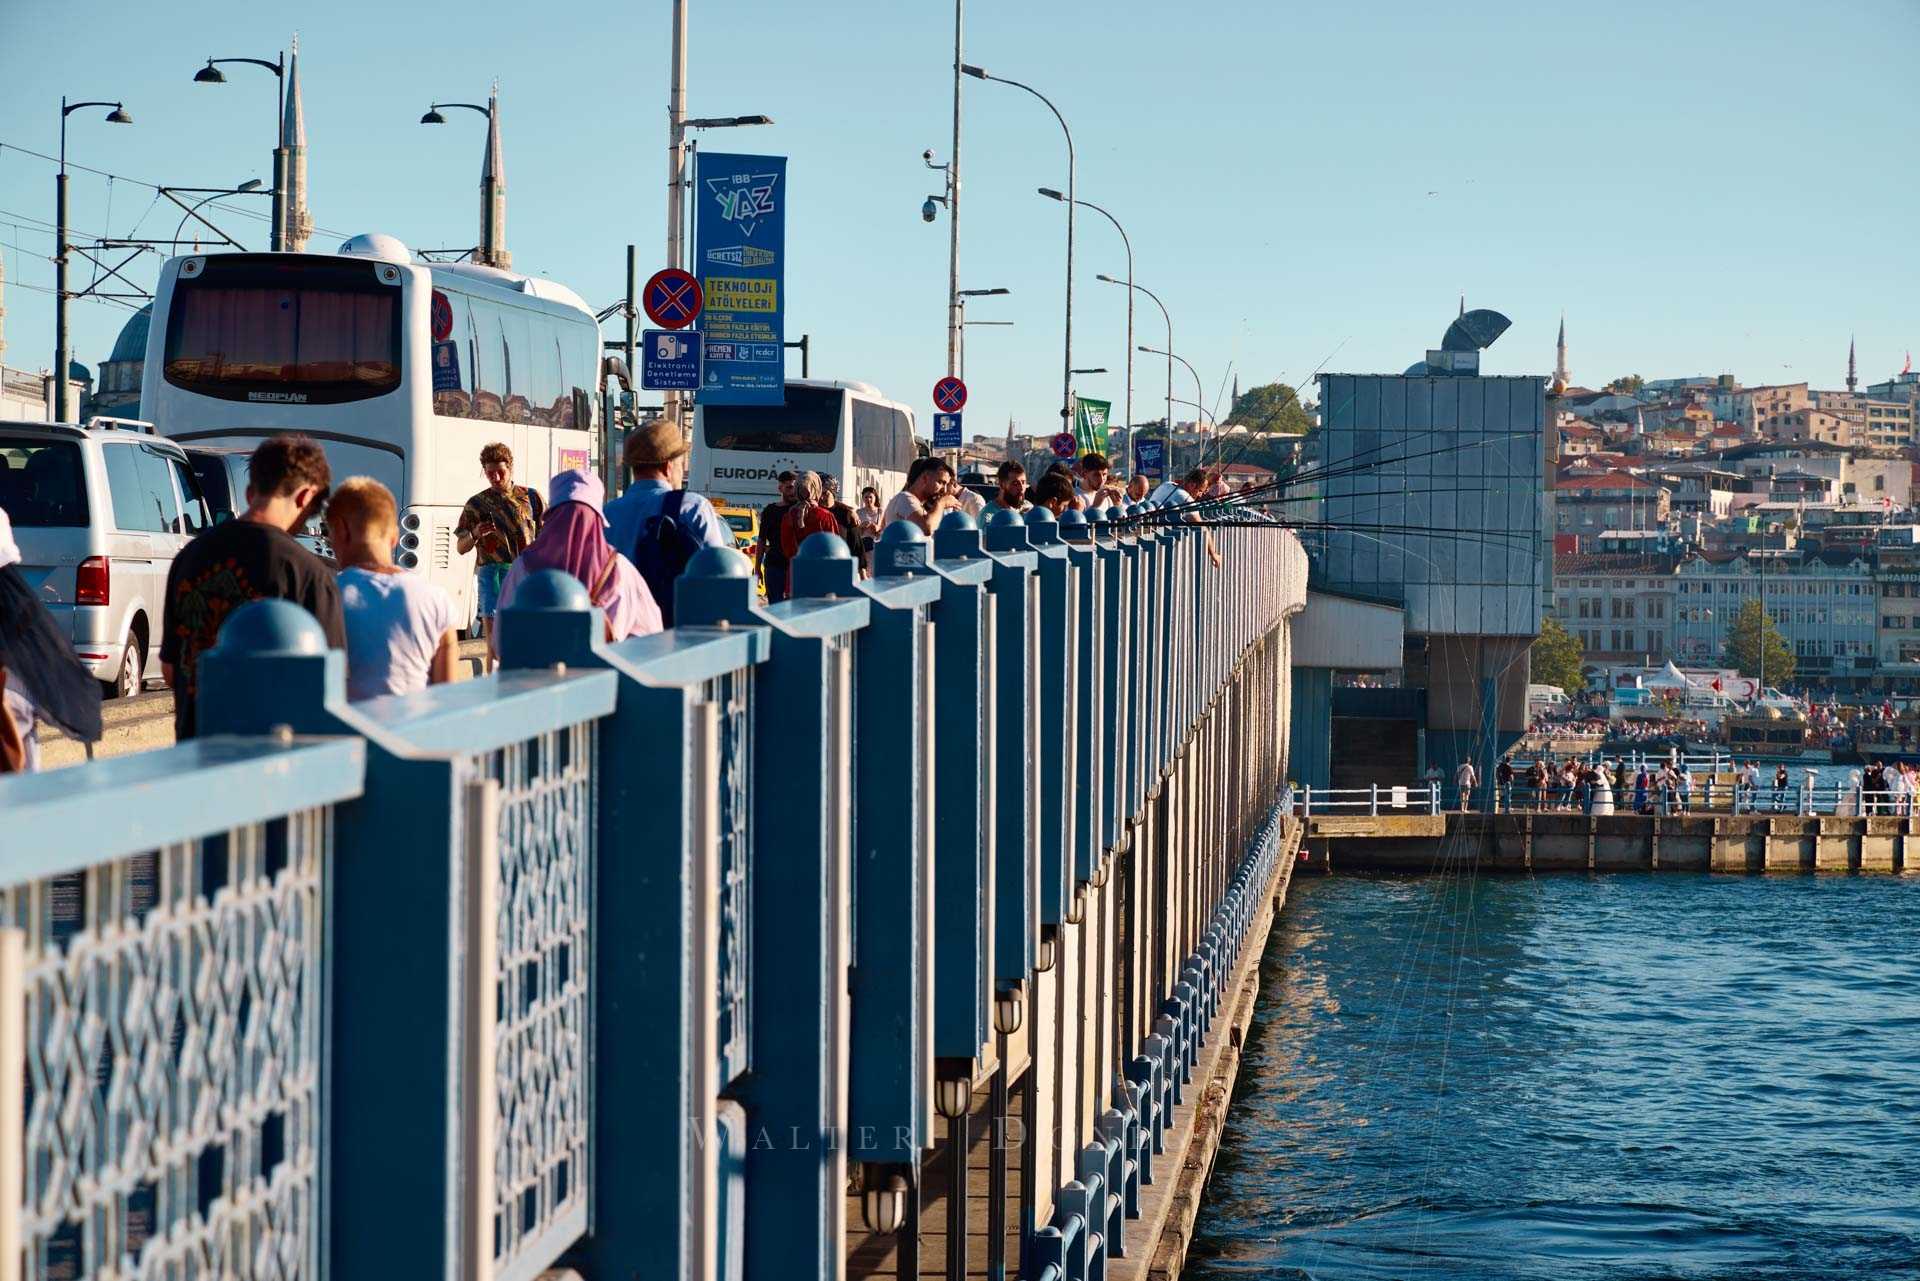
{"x": 732, "y": 695}
{"x": 545, "y": 824}
{"x": 173, "y": 1022}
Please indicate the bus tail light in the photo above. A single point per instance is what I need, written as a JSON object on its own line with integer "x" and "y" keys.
{"x": 90, "y": 582}
{"x": 410, "y": 521}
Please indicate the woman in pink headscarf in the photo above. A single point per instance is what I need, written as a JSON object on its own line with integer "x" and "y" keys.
{"x": 574, "y": 540}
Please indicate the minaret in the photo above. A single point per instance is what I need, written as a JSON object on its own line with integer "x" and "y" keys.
{"x": 1008, "y": 451}
{"x": 1235, "y": 402}
{"x": 493, "y": 191}
{"x": 293, "y": 128}
{"x": 1853, "y": 376}
{"x": 1562, "y": 379}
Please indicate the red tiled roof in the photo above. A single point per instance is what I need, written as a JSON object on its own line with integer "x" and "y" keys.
{"x": 1604, "y": 480}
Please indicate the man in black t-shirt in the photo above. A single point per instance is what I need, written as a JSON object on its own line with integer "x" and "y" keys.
{"x": 772, "y": 556}
{"x": 252, "y": 557}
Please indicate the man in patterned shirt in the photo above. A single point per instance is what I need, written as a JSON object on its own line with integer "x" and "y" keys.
{"x": 496, "y": 525}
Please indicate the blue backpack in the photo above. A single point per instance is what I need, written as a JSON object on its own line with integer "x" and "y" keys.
{"x": 662, "y": 551}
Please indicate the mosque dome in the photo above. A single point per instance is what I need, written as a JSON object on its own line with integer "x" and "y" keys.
{"x": 132, "y": 342}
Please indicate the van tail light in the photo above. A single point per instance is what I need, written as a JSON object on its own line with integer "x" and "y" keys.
{"x": 90, "y": 582}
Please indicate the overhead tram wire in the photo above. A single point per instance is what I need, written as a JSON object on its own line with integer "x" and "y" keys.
{"x": 254, "y": 215}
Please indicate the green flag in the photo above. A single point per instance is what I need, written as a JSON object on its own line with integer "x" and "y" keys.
{"x": 1090, "y": 424}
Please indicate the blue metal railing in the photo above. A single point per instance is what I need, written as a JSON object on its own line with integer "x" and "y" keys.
{"x": 616, "y": 958}
{"x": 163, "y": 975}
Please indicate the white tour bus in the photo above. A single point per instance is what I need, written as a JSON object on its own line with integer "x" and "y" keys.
{"x": 401, "y": 370}
{"x": 844, "y": 429}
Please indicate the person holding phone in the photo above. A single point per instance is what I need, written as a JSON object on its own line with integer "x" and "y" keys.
{"x": 496, "y": 525}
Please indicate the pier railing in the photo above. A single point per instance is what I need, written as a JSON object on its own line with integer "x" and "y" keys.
{"x": 625, "y": 957}
{"x": 1351, "y": 802}
{"x": 1802, "y": 798}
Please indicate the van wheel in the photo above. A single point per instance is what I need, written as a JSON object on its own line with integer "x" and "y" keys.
{"x": 127, "y": 683}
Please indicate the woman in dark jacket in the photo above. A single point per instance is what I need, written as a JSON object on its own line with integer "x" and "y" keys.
{"x": 40, "y": 679}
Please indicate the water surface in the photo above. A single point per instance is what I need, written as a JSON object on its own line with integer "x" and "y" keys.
{"x": 1579, "y": 1078}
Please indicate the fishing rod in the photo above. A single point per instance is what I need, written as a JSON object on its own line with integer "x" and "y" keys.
{"x": 1348, "y": 467}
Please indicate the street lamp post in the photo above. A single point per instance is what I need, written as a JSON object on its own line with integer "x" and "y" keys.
{"x": 250, "y": 185}
{"x": 677, "y": 126}
{"x": 956, "y": 316}
{"x": 957, "y": 357}
{"x": 64, "y": 409}
{"x": 1131, "y": 288}
{"x": 1127, "y": 242}
{"x": 1198, "y": 390}
{"x": 212, "y": 75}
{"x": 1066, "y": 363}
{"x": 968, "y": 324}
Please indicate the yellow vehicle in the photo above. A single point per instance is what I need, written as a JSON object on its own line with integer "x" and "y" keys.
{"x": 745, "y": 524}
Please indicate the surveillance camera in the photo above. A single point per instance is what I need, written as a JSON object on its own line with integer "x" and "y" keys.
{"x": 927, "y": 155}
{"x": 927, "y": 211}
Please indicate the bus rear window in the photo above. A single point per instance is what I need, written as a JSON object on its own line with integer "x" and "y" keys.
{"x": 42, "y": 484}
{"x": 809, "y": 423}
{"x": 284, "y": 333}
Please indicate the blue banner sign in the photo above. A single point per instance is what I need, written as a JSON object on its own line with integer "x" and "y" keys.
{"x": 670, "y": 360}
{"x": 740, "y": 232}
{"x": 946, "y": 431}
{"x": 1149, "y": 456}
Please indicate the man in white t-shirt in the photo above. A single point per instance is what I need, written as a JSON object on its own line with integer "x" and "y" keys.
{"x": 1464, "y": 778}
{"x": 400, "y": 629}
{"x": 925, "y": 499}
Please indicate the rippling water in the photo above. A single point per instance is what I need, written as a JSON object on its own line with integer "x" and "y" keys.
{"x": 1579, "y": 1079}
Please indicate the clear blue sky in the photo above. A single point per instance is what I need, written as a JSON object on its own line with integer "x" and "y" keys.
{"x": 1726, "y": 186}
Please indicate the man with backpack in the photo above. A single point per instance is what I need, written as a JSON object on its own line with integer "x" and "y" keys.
{"x": 656, "y": 524}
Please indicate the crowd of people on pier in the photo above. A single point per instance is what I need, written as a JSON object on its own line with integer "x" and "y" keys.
{"x": 1670, "y": 787}
{"x": 398, "y": 630}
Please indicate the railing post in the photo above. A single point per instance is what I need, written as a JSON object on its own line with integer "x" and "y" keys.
{"x": 963, "y": 850}
{"x": 1373, "y": 801}
{"x": 966, "y": 800}
{"x": 1055, "y": 708}
{"x": 1016, "y": 836}
{"x": 890, "y": 1096}
{"x": 802, "y": 920}
{"x": 13, "y": 1103}
{"x": 392, "y": 1189}
{"x": 672, "y": 777}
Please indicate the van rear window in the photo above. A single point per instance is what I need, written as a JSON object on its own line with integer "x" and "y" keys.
{"x": 42, "y": 483}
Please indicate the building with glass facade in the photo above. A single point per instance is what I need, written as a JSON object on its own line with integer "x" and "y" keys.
{"x": 1431, "y": 494}
{"x": 1457, "y": 464}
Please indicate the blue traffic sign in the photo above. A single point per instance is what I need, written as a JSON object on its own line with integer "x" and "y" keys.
{"x": 946, "y": 431}
{"x": 950, "y": 394}
{"x": 670, "y": 361}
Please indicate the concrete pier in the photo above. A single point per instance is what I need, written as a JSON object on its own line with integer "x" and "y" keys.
{"x": 1556, "y": 842}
